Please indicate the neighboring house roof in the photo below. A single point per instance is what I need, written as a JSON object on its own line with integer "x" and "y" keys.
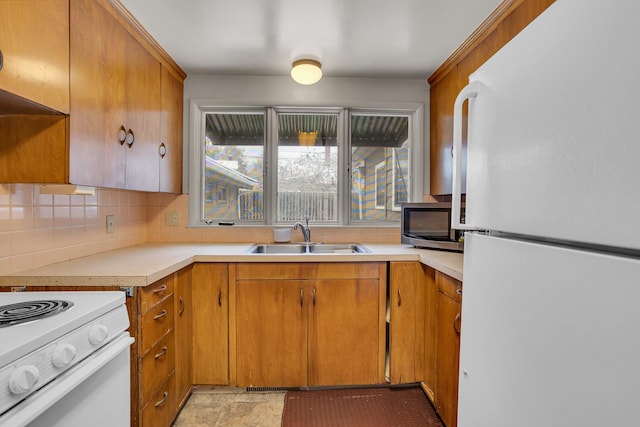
{"x": 222, "y": 174}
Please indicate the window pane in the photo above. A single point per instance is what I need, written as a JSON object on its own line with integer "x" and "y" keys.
{"x": 233, "y": 165}
{"x": 379, "y": 166}
{"x": 307, "y": 167}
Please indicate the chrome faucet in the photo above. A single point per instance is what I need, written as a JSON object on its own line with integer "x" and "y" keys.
{"x": 306, "y": 231}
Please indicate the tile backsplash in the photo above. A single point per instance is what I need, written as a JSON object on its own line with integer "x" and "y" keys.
{"x": 40, "y": 229}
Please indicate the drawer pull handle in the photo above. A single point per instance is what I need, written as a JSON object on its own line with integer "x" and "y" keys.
{"x": 181, "y": 306}
{"x": 313, "y": 296}
{"x": 130, "y": 139}
{"x": 162, "y": 314}
{"x": 160, "y": 289}
{"x": 220, "y": 297}
{"x": 301, "y": 296}
{"x": 459, "y": 291}
{"x": 399, "y": 298}
{"x": 162, "y": 353}
{"x": 122, "y": 135}
{"x": 165, "y": 396}
{"x": 456, "y": 324}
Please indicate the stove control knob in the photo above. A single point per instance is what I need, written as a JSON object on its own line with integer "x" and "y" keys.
{"x": 63, "y": 355}
{"x": 98, "y": 334}
{"x": 23, "y": 379}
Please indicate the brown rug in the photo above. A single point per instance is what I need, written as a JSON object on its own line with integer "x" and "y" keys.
{"x": 362, "y": 407}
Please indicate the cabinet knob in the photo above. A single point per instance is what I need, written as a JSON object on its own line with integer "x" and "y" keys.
{"x": 181, "y": 306}
{"x": 456, "y": 324}
{"x": 162, "y": 150}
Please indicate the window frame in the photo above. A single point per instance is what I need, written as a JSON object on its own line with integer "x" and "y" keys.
{"x": 194, "y": 170}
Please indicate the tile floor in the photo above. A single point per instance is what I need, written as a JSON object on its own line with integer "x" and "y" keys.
{"x": 210, "y": 407}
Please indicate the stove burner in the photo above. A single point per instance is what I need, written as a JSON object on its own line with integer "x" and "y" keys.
{"x": 27, "y": 311}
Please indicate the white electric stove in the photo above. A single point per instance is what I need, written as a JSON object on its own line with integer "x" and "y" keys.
{"x": 57, "y": 347}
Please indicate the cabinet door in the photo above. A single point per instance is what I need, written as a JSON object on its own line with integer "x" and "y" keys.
{"x": 344, "y": 332}
{"x": 98, "y": 89}
{"x": 406, "y": 334}
{"x": 171, "y": 133}
{"x": 34, "y": 41}
{"x": 271, "y": 328}
{"x": 143, "y": 117}
{"x": 184, "y": 334}
{"x": 448, "y": 351}
{"x": 210, "y": 323}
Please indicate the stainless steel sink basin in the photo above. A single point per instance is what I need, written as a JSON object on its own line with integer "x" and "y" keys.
{"x": 308, "y": 248}
{"x": 277, "y": 249}
{"x": 348, "y": 248}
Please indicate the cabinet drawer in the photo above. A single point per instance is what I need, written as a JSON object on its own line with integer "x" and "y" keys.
{"x": 276, "y": 270}
{"x": 161, "y": 409}
{"x": 156, "y": 292}
{"x": 156, "y": 323}
{"x": 449, "y": 286}
{"x": 156, "y": 366}
{"x": 346, "y": 270}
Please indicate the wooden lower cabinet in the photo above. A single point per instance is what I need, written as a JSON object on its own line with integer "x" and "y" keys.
{"x": 271, "y": 332}
{"x": 210, "y": 305}
{"x": 314, "y": 324}
{"x": 183, "y": 335}
{"x": 160, "y": 411}
{"x": 406, "y": 322}
{"x": 448, "y": 347}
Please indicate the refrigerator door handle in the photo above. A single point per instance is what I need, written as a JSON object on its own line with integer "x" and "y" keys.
{"x": 469, "y": 92}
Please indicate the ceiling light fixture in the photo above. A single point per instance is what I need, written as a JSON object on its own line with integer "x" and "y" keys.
{"x": 306, "y": 71}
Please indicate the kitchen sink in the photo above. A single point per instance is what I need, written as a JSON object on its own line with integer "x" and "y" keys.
{"x": 277, "y": 249}
{"x": 308, "y": 248}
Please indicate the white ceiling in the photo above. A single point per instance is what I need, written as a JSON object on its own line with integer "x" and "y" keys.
{"x": 351, "y": 38}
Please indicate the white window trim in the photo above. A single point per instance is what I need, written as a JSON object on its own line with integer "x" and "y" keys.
{"x": 380, "y": 169}
{"x": 195, "y": 171}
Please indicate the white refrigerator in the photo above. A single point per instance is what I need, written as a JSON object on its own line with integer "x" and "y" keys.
{"x": 550, "y": 330}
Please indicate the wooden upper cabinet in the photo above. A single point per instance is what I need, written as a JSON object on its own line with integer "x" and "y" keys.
{"x": 114, "y": 74}
{"x": 143, "y": 118}
{"x": 34, "y": 41}
{"x": 115, "y": 96}
{"x": 170, "y": 149}
{"x": 98, "y": 93}
{"x": 509, "y": 18}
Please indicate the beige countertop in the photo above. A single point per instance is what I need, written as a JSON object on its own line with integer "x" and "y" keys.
{"x": 144, "y": 264}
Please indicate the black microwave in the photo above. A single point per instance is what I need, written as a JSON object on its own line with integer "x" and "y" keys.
{"x": 428, "y": 225}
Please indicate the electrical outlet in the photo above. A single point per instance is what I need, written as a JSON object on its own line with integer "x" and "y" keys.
{"x": 172, "y": 219}
{"x": 110, "y": 223}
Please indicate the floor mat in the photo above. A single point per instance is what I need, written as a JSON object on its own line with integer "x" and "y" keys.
{"x": 363, "y": 407}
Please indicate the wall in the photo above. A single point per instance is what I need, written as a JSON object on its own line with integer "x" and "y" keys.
{"x": 39, "y": 229}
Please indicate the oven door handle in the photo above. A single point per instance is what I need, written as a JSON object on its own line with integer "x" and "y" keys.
{"x": 47, "y": 396}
